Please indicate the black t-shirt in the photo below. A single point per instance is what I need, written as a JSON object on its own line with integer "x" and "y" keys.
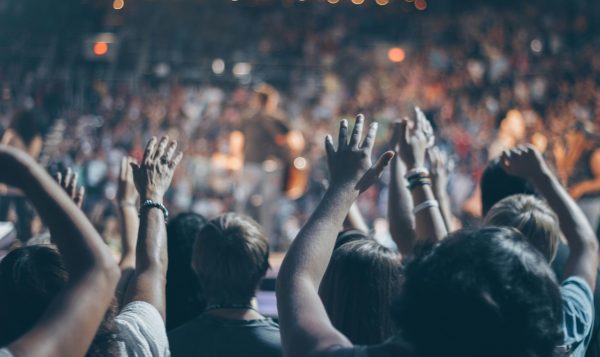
{"x": 211, "y": 336}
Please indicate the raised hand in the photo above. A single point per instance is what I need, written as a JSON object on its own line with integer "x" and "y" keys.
{"x": 350, "y": 164}
{"x": 524, "y": 162}
{"x": 69, "y": 183}
{"x": 153, "y": 177}
{"x": 127, "y": 194}
{"x": 441, "y": 166}
{"x": 415, "y": 136}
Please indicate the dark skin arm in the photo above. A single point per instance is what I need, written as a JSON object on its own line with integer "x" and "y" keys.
{"x": 305, "y": 327}
{"x": 152, "y": 179}
{"x": 93, "y": 274}
{"x": 526, "y": 162}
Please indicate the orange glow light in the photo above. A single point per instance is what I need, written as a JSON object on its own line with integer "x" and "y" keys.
{"x": 421, "y": 5}
{"x": 382, "y": 2}
{"x": 358, "y": 2}
{"x": 333, "y": 1}
{"x": 100, "y": 48}
{"x": 118, "y": 4}
{"x": 396, "y": 54}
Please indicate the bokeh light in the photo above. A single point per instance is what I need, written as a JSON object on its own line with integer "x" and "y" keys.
{"x": 396, "y": 54}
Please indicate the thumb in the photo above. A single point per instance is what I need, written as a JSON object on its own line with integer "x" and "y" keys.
{"x": 383, "y": 161}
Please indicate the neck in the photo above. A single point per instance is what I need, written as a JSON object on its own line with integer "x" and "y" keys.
{"x": 234, "y": 311}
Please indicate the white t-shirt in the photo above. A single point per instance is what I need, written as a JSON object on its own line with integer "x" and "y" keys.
{"x": 141, "y": 331}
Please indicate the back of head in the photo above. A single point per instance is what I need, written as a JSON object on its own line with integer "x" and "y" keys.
{"x": 496, "y": 185}
{"x": 481, "y": 293}
{"x": 358, "y": 288}
{"x": 230, "y": 258}
{"x": 532, "y": 217}
{"x": 30, "y": 277}
{"x": 184, "y": 298}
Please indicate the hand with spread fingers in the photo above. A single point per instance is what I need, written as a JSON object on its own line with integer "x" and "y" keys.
{"x": 127, "y": 194}
{"x": 153, "y": 177}
{"x": 351, "y": 163}
{"x": 414, "y": 138}
{"x": 69, "y": 183}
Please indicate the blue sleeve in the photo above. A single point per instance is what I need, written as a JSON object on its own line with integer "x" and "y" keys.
{"x": 578, "y": 313}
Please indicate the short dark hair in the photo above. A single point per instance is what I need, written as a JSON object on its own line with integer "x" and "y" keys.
{"x": 361, "y": 281}
{"x": 230, "y": 258}
{"x": 184, "y": 295}
{"x": 496, "y": 185}
{"x": 485, "y": 292}
{"x": 30, "y": 278}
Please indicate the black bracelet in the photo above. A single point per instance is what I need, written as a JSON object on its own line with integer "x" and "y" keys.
{"x": 418, "y": 183}
{"x": 151, "y": 204}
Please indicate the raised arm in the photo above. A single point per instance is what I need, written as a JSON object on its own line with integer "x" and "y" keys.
{"x": 592, "y": 185}
{"x": 127, "y": 200}
{"x": 93, "y": 274}
{"x": 526, "y": 162}
{"x": 400, "y": 204}
{"x": 305, "y": 326}
{"x": 414, "y": 141}
{"x": 152, "y": 179}
{"x": 440, "y": 167}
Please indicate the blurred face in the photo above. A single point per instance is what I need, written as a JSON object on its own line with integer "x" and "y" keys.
{"x": 514, "y": 124}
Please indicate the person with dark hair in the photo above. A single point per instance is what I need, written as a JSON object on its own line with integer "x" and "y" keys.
{"x": 47, "y": 298}
{"x": 481, "y": 293}
{"x": 230, "y": 258}
{"x": 361, "y": 273}
{"x": 542, "y": 228}
{"x": 184, "y": 297}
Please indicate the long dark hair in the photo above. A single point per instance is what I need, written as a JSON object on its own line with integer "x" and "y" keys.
{"x": 25, "y": 124}
{"x": 358, "y": 288}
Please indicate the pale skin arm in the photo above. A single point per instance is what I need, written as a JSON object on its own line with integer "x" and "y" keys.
{"x": 400, "y": 217}
{"x": 152, "y": 179}
{"x": 80, "y": 307}
{"x": 430, "y": 225}
{"x": 439, "y": 176}
{"x": 305, "y": 327}
{"x": 527, "y": 163}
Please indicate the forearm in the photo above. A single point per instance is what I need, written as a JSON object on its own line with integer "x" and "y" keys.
{"x": 444, "y": 200}
{"x": 586, "y": 187}
{"x": 581, "y": 238}
{"x": 400, "y": 204}
{"x": 130, "y": 223}
{"x": 430, "y": 225}
{"x": 149, "y": 280}
{"x": 311, "y": 250}
{"x": 355, "y": 220}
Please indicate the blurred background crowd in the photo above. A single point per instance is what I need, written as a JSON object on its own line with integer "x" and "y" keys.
{"x": 209, "y": 73}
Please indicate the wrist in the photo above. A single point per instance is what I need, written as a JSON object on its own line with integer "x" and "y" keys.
{"x": 152, "y": 196}
{"x": 541, "y": 177}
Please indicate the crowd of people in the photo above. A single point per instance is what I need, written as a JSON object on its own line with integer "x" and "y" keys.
{"x": 139, "y": 212}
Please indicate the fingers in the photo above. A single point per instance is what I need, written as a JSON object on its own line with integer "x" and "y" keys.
{"x": 67, "y": 178}
{"x": 403, "y": 127}
{"x": 329, "y": 149}
{"x": 396, "y": 134}
{"x": 173, "y": 163}
{"x": 71, "y": 185}
{"x": 160, "y": 149}
{"x": 357, "y": 131}
{"x": 419, "y": 119}
{"x": 79, "y": 196}
{"x": 370, "y": 138}
{"x": 343, "y": 135}
{"x": 170, "y": 150}
{"x": 58, "y": 178}
{"x": 149, "y": 151}
{"x": 124, "y": 168}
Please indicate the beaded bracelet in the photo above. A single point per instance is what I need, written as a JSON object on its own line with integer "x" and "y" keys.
{"x": 152, "y": 204}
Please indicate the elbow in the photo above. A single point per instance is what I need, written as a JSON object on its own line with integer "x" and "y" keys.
{"x": 107, "y": 272}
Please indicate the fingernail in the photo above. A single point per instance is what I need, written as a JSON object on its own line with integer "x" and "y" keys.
{"x": 344, "y": 122}
{"x": 360, "y": 117}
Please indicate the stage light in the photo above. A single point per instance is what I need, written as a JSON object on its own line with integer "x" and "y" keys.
{"x": 218, "y": 66}
{"x": 536, "y": 45}
{"x": 358, "y": 2}
{"x": 300, "y": 163}
{"x": 100, "y": 48}
{"x": 421, "y": 5}
{"x": 382, "y": 2}
{"x": 396, "y": 54}
{"x": 118, "y": 4}
{"x": 242, "y": 69}
{"x": 333, "y": 1}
